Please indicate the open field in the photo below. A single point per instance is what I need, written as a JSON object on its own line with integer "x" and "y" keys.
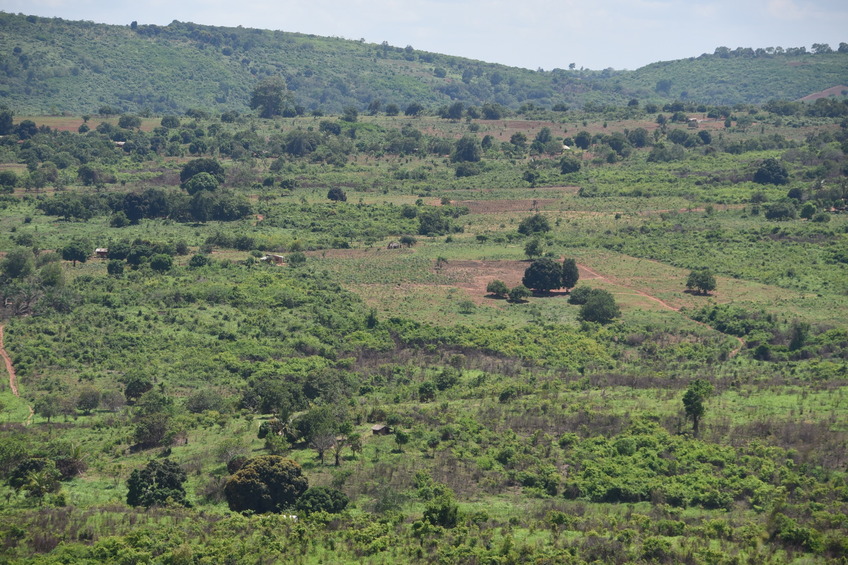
{"x": 521, "y": 429}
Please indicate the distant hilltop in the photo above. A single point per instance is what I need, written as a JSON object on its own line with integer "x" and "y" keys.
{"x": 54, "y": 66}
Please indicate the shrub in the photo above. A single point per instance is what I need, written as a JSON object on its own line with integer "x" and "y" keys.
{"x": 204, "y": 165}
{"x": 161, "y": 262}
{"x": 536, "y": 223}
{"x": 600, "y": 307}
{"x": 497, "y": 288}
{"x": 519, "y": 293}
{"x": 336, "y": 194}
{"x": 157, "y": 484}
{"x": 322, "y": 499}
{"x": 201, "y": 181}
{"x": 771, "y": 172}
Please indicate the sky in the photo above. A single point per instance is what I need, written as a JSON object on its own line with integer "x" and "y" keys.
{"x": 547, "y": 34}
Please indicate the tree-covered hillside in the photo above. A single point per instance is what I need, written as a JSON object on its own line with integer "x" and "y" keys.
{"x": 59, "y": 66}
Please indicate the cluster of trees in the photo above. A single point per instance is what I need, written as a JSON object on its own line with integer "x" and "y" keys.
{"x": 545, "y": 275}
{"x": 263, "y": 484}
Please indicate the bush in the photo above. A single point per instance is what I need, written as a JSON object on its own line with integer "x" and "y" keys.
{"x": 161, "y": 262}
{"x": 157, "y": 484}
{"x": 519, "y": 293}
{"x": 498, "y": 288}
{"x": 201, "y": 181}
{"x": 322, "y": 499}
{"x": 442, "y": 511}
{"x": 580, "y": 295}
{"x": 536, "y": 223}
{"x": 568, "y": 165}
{"x": 781, "y": 211}
{"x": 336, "y": 194}
{"x": 771, "y": 172}
{"x": 198, "y": 261}
{"x": 600, "y": 307}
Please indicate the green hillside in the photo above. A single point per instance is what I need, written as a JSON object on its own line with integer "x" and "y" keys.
{"x": 59, "y": 66}
{"x": 712, "y": 79}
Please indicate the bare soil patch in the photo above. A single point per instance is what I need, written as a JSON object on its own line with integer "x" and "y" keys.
{"x": 357, "y": 253}
{"x": 833, "y": 91}
{"x": 497, "y": 206}
{"x": 13, "y": 379}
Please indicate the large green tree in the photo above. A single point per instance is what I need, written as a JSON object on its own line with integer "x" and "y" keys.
{"x": 467, "y": 150}
{"x": 701, "y": 279}
{"x": 600, "y": 307}
{"x": 18, "y": 264}
{"x": 570, "y": 273}
{"x": 76, "y": 250}
{"x": 537, "y": 223}
{"x": 271, "y": 97}
{"x": 543, "y": 275}
{"x": 268, "y": 483}
{"x": 203, "y": 165}
{"x": 771, "y": 171}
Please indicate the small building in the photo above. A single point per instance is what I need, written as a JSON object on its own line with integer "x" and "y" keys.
{"x": 380, "y": 430}
{"x": 275, "y": 259}
{"x": 101, "y": 252}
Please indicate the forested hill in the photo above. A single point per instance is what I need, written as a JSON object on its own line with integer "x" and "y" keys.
{"x": 54, "y": 66}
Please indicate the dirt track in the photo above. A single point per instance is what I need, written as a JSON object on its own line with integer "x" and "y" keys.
{"x": 475, "y": 275}
{"x": 13, "y": 378}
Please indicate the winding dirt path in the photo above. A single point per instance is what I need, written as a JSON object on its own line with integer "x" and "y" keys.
{"x": 13, "y": 378}
{"x": 665, "y": 304}
{"x": 636, "y": 290}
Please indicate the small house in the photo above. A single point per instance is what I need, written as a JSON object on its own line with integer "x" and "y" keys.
{"x": 380, "y": 430}
{"x": 275, "y": 259}
{"x": 101, "y": 252}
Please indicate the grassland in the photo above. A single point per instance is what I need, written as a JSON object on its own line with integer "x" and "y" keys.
{"x": 549, "y": 438}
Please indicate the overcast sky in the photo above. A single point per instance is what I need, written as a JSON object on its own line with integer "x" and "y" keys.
{"x": 594, "y": 34}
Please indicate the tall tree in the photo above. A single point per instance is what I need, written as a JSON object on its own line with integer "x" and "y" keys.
{"x": 6, "y": 120}
{"x": 76, "y": 250}
{"x": 543, "y": 275}
{"x": 271, "y": 97}
{"x": 570, "y": 273}
{"x": 701, "y": 279}
{"x": 693, "y": 402}
{"x": 467, "y": 150}
{"x": 600, "y": 307}
{"x": 268, "y": 483}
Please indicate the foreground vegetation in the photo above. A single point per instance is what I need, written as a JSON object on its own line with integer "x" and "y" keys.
{"x": 669, "y": 386}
